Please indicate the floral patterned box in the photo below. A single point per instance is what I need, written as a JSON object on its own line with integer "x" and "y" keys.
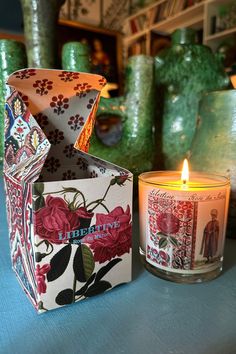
{"x": 69, "y": 213}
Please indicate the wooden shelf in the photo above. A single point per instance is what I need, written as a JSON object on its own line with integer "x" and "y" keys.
{"x": 13, "y": 36}
{"x": 135, "y": 36}
{"x": 87, "y": 27}
{"x": 147, "y": 9}
{"x": 220, "y": 35}
{"x": 192, "y": 16}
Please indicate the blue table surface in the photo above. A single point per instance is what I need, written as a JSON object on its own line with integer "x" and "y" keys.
{"x": 149, "y": 315}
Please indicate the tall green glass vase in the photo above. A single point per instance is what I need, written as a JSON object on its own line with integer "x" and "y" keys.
{"x": 40, "y": 24}
{"x": 135, "y": 150}
{"x": 76, "y": 57}
{"x": 183, "y": 73}
{"x": 12, "y": 58}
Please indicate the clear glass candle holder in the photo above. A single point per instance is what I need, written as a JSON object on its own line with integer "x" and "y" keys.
{"x": 183, "y": 225}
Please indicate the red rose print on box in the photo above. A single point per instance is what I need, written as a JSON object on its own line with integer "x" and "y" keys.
{"x": 58, "y": 217}
{"x": 113, "y": 242}
{"x": 67, "y": 220}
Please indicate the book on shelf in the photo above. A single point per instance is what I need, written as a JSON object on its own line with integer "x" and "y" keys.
{"x": 142, "y": 22}
{"x": 161, "y": 13}
{"x": 133, "y": 25}
{"x": 138, "y": 23}
{"x": 153, "y": 14}
{"x": 173, "y": 7}
{"x": 189, "y": 3}
{"x": 156, "y": 14}
{"x": 179, "y": 6}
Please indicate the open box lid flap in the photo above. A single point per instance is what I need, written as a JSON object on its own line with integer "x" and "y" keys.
{"x": 49, "y": 97}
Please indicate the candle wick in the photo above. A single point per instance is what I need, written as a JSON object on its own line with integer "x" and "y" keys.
{"x": 184, "y": 184}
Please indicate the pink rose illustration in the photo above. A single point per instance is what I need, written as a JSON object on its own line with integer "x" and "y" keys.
{"x": 168, "y": 223}
{"x": 56, "y": 217}
{"x": 40, "y": 277}
{"x": 113, "y": 241}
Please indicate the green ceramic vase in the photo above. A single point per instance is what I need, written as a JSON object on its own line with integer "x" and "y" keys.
{"x": 76, "y": 57}
{"x": 135, "y": 149}
{"x": 12, "y": 58}
{"x": 183, "y": 73}
{"x": 40, "y": 23}
{"x": 214, "y": 144}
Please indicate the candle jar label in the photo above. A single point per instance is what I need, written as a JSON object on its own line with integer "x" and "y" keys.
{"x": 186, "y": 231}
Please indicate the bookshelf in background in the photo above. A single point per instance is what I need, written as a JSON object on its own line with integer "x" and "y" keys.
{"x": 219, "y": 22}
{"x": 161, "y": 17}
{"x": 216, "y": 19}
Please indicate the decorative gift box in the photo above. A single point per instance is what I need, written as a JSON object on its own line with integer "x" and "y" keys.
{"x": 69, "y": 213}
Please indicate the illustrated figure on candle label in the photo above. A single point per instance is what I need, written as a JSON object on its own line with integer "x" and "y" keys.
{"x": 210, "y": 237}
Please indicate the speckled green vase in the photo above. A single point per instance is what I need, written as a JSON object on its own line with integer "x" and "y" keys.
{"x": 183, "y": 72}
{"x": 40, "y": 23}
{"x": 12, "y": 58}
{"x": 76, "y": 57}
{"x": 136, "y": 108}
{"x": 214, "y": 144}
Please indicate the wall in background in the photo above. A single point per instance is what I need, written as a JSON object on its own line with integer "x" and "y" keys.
{"x": 11, "y": 19}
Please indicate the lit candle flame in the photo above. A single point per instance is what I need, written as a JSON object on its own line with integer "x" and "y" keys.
{"x": 185, "y": 172}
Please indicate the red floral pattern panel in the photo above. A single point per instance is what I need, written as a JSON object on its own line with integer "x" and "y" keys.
{"x": 171, "y": 232}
